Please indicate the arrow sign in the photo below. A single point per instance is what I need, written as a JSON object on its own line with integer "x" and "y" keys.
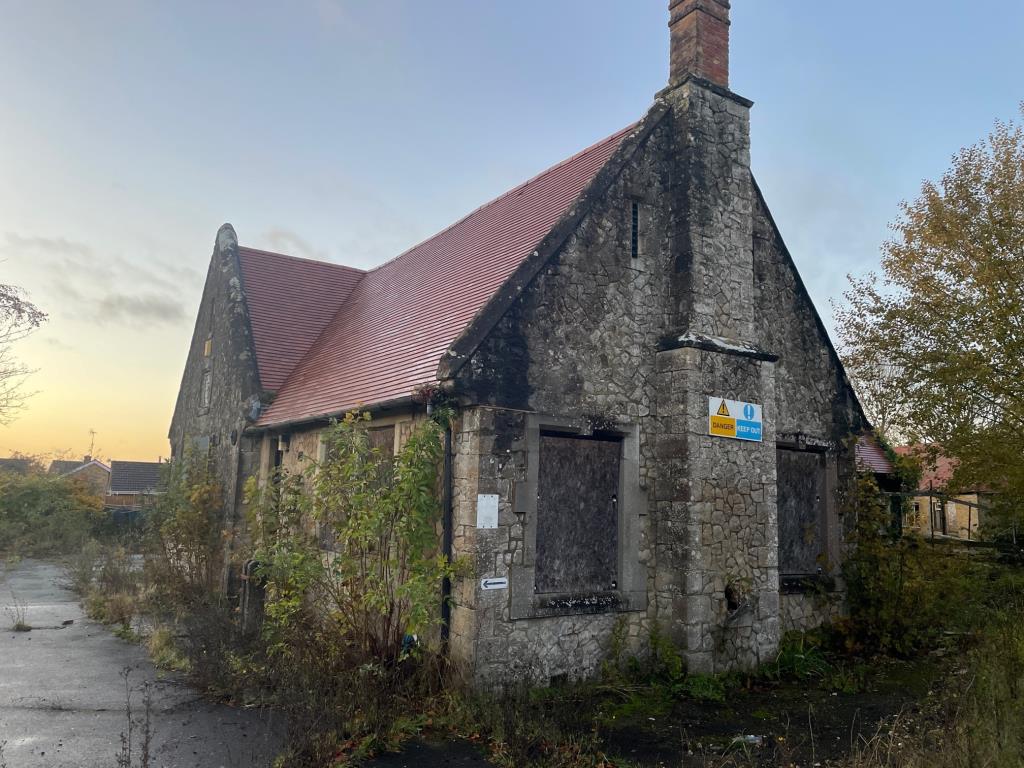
{"x": 489, "y": 584}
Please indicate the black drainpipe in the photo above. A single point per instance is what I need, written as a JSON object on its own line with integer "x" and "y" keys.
{"x": 446, "y": 538}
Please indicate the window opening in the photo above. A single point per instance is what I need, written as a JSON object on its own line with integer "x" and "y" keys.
{"x": 801, "y": 512}
{"x": 206, "y": 390}
{"x": 577, "y": 514}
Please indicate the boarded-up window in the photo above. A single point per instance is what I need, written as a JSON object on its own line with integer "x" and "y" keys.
{"x": 577, "y": 514}
{"x": 383, "y": 440}
{"x": 801, "y": 504}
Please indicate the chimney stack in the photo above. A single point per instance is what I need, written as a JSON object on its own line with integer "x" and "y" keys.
{"x": 700, "y": 40}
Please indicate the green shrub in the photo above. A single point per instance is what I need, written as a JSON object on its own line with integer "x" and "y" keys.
{"x": 365, "y": 616}
{"x": 900, "y": 589}
{"x": 184, "y": 535}
{"x": 164, "y": 651}
{"x": 800, "y": 657}
{"x": 42, "y": 515}
{"x": 704, "y": 688}
{"x": 81, "y": 567}
{"x": 118, "y": 608}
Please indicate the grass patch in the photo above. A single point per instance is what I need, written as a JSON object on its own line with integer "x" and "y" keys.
{"x": 164, "y": 651}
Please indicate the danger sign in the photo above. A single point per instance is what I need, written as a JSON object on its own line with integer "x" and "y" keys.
{"x": 734, "y": 419}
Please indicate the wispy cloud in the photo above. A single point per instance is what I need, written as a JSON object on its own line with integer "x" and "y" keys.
{"x": 106, "y": 288}
{"x": 55, "y": 343}
{"x": 140, "y": 309}
{"x": 287, "y": 242}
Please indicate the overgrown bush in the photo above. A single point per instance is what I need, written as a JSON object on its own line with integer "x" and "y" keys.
{"x": 184, "y": 534}
{"x": 900, "y": 589}
{"x": 364, "y": 616}
{"x": 42, "y": 515}
{"x": 112, "y": 594}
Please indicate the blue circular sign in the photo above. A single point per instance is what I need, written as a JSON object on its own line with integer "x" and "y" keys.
{"x": 748, "y": 412}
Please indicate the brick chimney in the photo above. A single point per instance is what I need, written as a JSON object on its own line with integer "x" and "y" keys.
{"x": 700, "y": 40}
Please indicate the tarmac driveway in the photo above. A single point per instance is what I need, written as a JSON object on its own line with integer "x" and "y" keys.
{"x": 62, "y": 692}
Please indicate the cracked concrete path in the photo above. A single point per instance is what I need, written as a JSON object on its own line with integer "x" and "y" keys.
{"x": 62, "y": 693}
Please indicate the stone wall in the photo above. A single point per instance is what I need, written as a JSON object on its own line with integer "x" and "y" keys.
{"x": 717, "y": 579}
{"x": 801, "y": 612}
{"x": 491, "y": 457}
{"x": 222, "y": 349}
{"x": 580, "y": 346}
{"x": 599, "y": 341}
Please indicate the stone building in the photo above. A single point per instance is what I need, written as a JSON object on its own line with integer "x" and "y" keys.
{"x": 653, "y": 426}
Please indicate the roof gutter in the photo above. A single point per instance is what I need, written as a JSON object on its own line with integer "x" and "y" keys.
{"x": 399, "y": 403}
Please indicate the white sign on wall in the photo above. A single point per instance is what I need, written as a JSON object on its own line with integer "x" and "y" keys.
{"x": 487, "y": 510}
{"x": 488, "y": 584}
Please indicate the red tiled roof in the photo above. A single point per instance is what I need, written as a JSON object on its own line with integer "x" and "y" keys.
{"x": 290, "y": 303}
{"x": 871, "y": 457}
{"x": 934, "y": 474}
{"x": 389, "y": 336}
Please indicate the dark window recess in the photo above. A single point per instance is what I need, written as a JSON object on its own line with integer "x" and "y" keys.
{"x": 577, "y": 515}
{"x": 383, "y": 440}
{"x": 634, "y": 240}
{"x": 801, "y": 505}
{"x": 206, "y": 390}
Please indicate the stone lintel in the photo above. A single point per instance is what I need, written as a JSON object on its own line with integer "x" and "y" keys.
{"x": 716, "y": 344}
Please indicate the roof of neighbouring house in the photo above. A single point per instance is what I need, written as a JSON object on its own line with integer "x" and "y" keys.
{"x": 65, "y": 467}
{"x": 17, "y": 466}
{"x": 290, "y": 302}
{"x": 391, "y": 330}
{"x": 135, "y": 476}
{"x": 871, "y": 457}
{"x": 936, "y": 468}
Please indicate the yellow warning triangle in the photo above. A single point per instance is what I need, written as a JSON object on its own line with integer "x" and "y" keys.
{"x": 722, "y": 410}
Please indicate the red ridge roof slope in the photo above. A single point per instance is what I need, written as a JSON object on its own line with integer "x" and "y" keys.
{"x": 389, "y": 336}
{"x": 290, "y": 303}
{"x": 871, "y": 457}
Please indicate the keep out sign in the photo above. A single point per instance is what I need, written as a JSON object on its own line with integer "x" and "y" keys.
{"x": 734, "y": 419}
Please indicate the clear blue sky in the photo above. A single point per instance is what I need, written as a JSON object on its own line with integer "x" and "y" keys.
{"x": 351, "y": 129}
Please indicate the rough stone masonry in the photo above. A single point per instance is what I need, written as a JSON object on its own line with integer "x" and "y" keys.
{"x": 627, "y": 345}
{"x": 587, "y": 492}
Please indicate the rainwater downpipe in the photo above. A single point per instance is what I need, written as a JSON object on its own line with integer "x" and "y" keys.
{"x": 446, "y": 538}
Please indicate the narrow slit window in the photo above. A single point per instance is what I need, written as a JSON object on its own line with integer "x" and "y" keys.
{"x": 634, "y": 239}
{"x": 206, "y": 390}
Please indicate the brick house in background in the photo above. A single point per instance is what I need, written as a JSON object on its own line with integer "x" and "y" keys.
{"x": 133, "y": 485}
{"x": 939, "y": 508}
{"x": 90, "y": 472}
{"x": 608, "y": 330}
